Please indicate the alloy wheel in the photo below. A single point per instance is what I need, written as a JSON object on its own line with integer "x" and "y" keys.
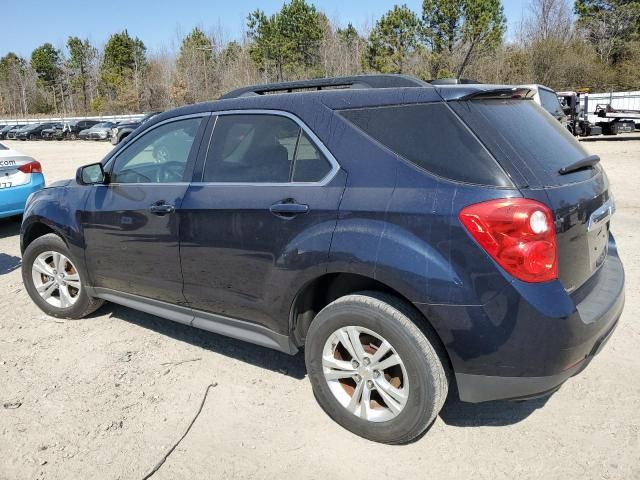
{"x": 365, "y": 374}
{"x": 56, "y": 279}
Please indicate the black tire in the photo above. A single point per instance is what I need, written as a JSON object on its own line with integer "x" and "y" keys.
{"x": 83, "y": 306}
{"x": 398, "y": 323}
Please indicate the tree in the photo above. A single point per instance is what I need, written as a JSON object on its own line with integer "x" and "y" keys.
{"x": 393, "y": 40}
{"x": 45, "y": 60}
{"x": 17, "y": 84}
{"x": 467, "y": 26}
{"x": 442, "y": 20}
{"x": 231, "y": 53}
{"x": 124, "y": 61}
{"x": 609, "y": 25}
{"x": 348, "y": 36}
{"x": 82, "y": 55}
{"x": 483, "y": 27}
{"x": 287, "y": 42}
{"x": 349, "y": 51}
{"x": 194, "y": 65}
{"x": 549, "y": 20}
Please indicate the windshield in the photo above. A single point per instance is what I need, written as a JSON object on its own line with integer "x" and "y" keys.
{"x": 102, "y": 125}
{"x": 531, "y": 145}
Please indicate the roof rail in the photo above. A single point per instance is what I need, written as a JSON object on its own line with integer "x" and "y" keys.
{"x": 357, "y": 81}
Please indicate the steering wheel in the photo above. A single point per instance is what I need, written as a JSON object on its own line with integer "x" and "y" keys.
{"x": 169, "y": 172}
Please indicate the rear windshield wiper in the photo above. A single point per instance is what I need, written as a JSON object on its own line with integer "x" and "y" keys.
{"x": 586, "y": 162}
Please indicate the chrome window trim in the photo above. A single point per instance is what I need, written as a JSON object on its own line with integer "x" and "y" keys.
{"x": 112, "y": 160}
{"x": 335, "y": 166}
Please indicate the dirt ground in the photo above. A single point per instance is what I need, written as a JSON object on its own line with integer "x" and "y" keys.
{"x": 106, "y": 397}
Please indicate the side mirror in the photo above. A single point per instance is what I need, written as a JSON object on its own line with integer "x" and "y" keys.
{"x": 91, "y": 174}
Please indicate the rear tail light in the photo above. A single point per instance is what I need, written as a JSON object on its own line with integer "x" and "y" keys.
{"x": 518, "y": 234}
{"x": 31, "y": 167}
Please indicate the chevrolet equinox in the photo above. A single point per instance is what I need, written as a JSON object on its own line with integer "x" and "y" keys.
{"x": 413, "y": 238}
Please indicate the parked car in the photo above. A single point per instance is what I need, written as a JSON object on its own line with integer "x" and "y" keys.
{"x": 33, "y": 132}
{"x": 548, "y": 99}
{"x": 55, "y": 132}
{"x": 20, "y": 176}
{"x": 100, "y": 131}
{"x": 11, "y": 134}
{"x": 412, "y": 238}
{"x": 123, "y": 129}
{"x": 5, "y": 130}
{"x": 76, "y": 126}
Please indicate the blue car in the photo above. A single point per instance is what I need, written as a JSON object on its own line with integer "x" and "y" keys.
{"x": 20, "y": 176}
{"x": 414, "y": 239}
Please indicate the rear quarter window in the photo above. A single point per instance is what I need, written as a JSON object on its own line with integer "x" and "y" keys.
{"x": 430, "y": 136}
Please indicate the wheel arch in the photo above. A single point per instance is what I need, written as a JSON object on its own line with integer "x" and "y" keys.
{"x": 319, "y": 292}
{"x": 35, "y": 230}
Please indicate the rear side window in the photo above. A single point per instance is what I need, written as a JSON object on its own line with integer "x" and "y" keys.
{"x": 261, "y": 148}
{"x": 530, "y": 145}
{"x": 430, "y": 136}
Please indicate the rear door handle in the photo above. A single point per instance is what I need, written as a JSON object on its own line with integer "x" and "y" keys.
{"x": 161, "y": 209}
{"x": 288, "y": 209}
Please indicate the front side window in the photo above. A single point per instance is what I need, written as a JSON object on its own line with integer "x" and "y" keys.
{"x": 261, "y": 148}
{"x": 159, "y": 156}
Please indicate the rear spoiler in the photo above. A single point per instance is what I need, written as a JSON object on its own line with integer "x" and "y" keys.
{"x": 501, "y": 94}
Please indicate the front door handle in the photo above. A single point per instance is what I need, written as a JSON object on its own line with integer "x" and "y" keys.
{"x": 161, "y": 209}
{"x": 288, "y": 210}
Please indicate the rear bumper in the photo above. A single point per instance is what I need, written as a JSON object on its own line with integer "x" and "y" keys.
{"x": 530, "y": 339}
{"x": 483, "y": 388}
{"x": 12, "y": 200}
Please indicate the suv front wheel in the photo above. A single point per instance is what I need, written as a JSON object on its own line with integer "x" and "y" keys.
{"x": 373, "y": 370}
{"x": 52, "y": 280}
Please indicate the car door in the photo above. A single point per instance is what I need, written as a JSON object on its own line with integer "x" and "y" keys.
{"x": 131, "y": 223}
{"x": 258, "y": 224}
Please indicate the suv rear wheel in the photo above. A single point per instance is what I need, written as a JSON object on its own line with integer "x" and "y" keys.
{"x": 52, "y": 280}
{"x": 373, "y": 370}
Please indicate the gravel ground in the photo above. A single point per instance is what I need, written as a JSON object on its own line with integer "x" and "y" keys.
{"x": 106, "y": 397}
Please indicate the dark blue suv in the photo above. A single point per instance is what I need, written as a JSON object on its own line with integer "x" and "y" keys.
{"x": 414, "y": 238}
